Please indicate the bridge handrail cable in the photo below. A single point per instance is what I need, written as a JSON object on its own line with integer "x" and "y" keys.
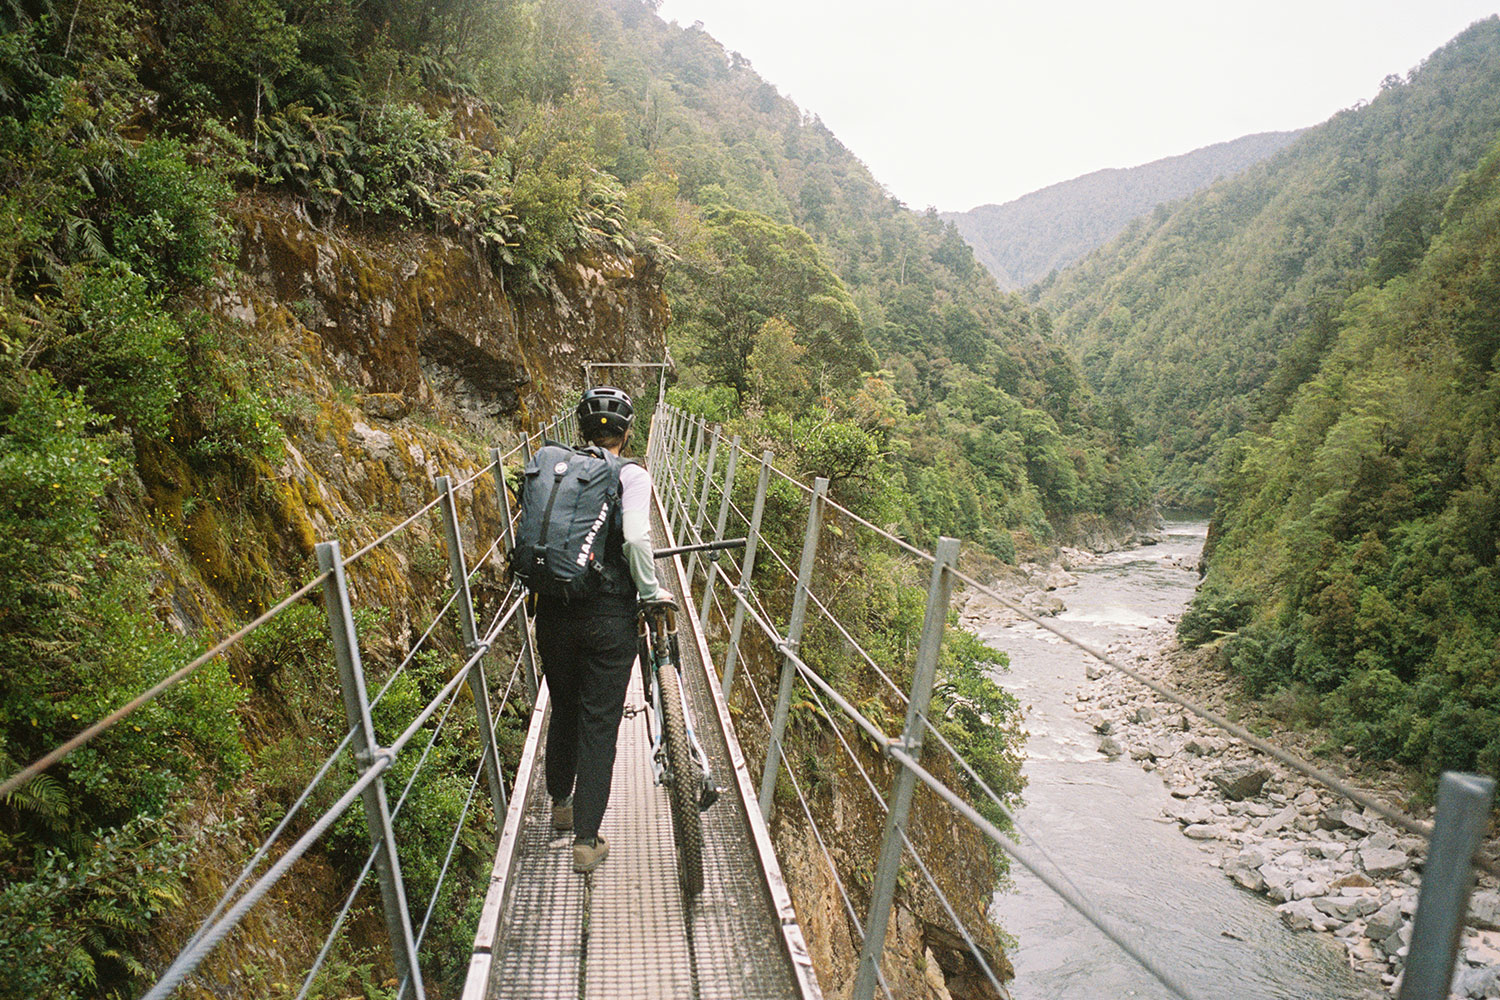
{"x": 890, "y": 747}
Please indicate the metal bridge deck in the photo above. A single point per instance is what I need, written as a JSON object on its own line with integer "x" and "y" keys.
{"x": 625, "y": 931}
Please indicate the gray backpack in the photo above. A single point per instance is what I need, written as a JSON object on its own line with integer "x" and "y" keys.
{"x": 568, "y": 541}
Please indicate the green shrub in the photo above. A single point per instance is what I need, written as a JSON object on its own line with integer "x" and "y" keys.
{"x": 63, "y": 931}
{"x": 1214, "y": 614}
{"x": 1262, "y": 657}
{"x": 1371, "y": 710}
{"x": 164, "y": 219}
{"x": 122, "y": 349}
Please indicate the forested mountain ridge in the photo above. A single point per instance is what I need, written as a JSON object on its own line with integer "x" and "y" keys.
{"x": 1024, "y": 240}
{"x": 1202, "y": 319}
{"x": 1353, "y": 563}
{"x": 977, "y": 423}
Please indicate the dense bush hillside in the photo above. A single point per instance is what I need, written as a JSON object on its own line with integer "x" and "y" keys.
{"x": 1024, "y": 240}
{"x": 1203, "y": 319}
{"x": 845, "y": 329}
{"x": 1354, "y": 562}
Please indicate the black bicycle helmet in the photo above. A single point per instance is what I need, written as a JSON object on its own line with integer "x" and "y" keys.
{"x": 604, "y": 411}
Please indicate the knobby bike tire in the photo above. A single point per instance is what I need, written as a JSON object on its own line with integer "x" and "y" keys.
{"x": 687, "y": 822}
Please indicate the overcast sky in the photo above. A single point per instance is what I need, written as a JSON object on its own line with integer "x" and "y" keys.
{"x": 958, "y": 104}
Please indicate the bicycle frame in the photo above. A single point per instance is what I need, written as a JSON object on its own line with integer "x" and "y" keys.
{"x": 657, "y": 629}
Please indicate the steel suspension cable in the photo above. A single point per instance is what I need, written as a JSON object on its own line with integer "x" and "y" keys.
{"x": 312, "y": 783}
{"x": 394, "y": 530}
{"x": 1077, "y": 902}
{"x": 1291, "y": 760}
{"x": 189, "y": 959}
{"x": 916, "y": 855}
{"x": 338, "y": 923}
{"x": 817, "y": 833}
{"x": 894, "y": 749}
{"x": 963, "y": 929}
{"x": 993, "y": 797}
{"x": 902, "y": 543}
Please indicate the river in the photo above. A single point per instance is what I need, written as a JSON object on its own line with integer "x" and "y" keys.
{"x": 1102, "y": 821}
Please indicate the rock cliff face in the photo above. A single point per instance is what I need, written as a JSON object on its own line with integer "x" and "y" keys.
{"x": 427, "y": 319}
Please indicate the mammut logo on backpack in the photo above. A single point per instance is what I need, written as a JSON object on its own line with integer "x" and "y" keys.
{"x": 587, "y": 551}
{"x": 570, "y": 511}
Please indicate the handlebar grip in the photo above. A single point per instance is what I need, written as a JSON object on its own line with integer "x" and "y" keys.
{"x": 727, "y": 543}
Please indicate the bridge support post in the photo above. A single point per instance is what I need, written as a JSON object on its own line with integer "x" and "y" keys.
{"x": 793, "y": 642}
{"x": 478, "y": 685}
{"x": 681, "y": 452}
{"x": 719, "y": 525}
{"x": 1463, "y": 809}
{"x": 366, "y": 751}
{"x": 883, "y": 890}
{"x": 747, "y": 567}
{"x": 682, "y": 509}
{"x": 667, "y": 458}
{"x": 708, "y": 481}
{"x": 508, "y": 534}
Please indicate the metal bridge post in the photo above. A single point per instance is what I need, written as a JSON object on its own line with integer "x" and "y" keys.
{"x": 666, "y": 458}
{"x": 508, "y": 532}
{"x": 719, "y": 526}
{"x": 478, "y": 686}
{"x": 682, "y": 456}
{"x": 791, "y": 646}
{"x": 366, "y": 752}
{"x": 708, "y": 481}
{"x": 747, "y": 567}
{"x": 1463, "y": 809}
{"x": 883, "y": 890}
{"x": 683, "y": 512}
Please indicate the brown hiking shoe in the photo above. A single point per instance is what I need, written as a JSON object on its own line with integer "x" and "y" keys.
{"x": 562, "y": 814}
{"x": 588, "y": 856}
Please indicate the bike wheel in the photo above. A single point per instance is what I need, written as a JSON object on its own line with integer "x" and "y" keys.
{"x": 687, "y": 822}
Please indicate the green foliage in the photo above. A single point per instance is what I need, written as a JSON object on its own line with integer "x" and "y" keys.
{"x": 121, "y": 348}
{"x": 1365, "y": 516}
{"x": 1188, "y": 315}
{"x": 163, "y": 218}
{"x": 982, "y": 721}
{"x": 1214, "y": 614}
{"x": 61, "y": 930}
{"x": 817, "y": 296}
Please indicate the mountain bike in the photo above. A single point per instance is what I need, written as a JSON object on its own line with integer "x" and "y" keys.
{"x": 678, "y": 761}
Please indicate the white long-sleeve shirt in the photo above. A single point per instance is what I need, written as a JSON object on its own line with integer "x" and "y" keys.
{"x": 635, "y": 518}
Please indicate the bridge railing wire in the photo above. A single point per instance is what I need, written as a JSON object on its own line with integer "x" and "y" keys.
{"x": 682, "y": 463}
{"x": 685, "y": 457}
{"x": 1302, "y": 766}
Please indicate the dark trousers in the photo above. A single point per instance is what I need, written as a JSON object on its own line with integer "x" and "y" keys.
{"x": 586, "y": 658}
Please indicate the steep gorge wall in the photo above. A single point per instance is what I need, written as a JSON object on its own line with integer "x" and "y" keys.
{"x": 392, "y": 358}
{"x": 399, "y": 357}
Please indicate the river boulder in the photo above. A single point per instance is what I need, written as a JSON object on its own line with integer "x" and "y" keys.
{"x": 1378, "y": 861}
{"x": 1241, "y": 781}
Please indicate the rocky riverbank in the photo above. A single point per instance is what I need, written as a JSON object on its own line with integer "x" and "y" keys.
{"x": 1326, "y": 866}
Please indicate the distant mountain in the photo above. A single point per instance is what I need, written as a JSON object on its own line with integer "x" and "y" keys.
{"x": 1203, "y": 319}
{"x": 1022, "y": 241}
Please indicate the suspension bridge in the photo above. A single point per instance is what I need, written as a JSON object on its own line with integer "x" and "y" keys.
{"x": 626, "y": 930}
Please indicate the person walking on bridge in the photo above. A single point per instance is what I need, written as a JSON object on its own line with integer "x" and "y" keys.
{"x": 588, "y": 644}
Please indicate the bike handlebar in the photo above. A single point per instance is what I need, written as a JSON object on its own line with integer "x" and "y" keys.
{"x": 714, "y": 547}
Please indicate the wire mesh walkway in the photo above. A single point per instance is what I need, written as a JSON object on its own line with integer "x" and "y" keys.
{"x": 625, "y": 930}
